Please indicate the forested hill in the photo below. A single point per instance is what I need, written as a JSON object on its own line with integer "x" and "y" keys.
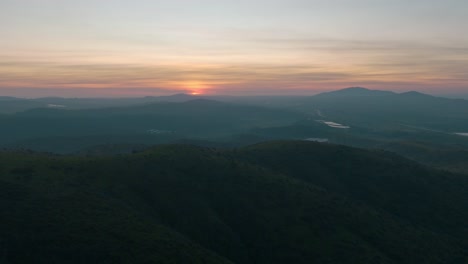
{"x": 275, "y": 202}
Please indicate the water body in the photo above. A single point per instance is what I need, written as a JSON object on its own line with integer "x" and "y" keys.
{"x": 334, "y": 124}
{"x": 55, "y": 106}
{"x": 321, "y": 140}
{"x": 157, "y": 131}
{"x": 462, "y": 134}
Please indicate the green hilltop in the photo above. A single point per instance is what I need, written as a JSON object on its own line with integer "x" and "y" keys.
{"x": 274, "y": 202}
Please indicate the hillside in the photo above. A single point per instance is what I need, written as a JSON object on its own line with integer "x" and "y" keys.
{"x": 156, "y": 123}
{"x": 372, "y": 108}
{"x": 9, "y": 105}
{"x": 354, "y": 91}
{"x": 275, "y": 202}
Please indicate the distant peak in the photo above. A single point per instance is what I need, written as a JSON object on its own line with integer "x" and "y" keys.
{"x": 356, "y": 91}
{"x": 179, "y": 95}
{"x": 203, "y": 101}
{"x": 171, "y": 95}
{"x": 414, "y": 94}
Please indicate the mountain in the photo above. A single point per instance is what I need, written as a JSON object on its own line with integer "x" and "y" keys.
{"x": 355, "y": 106}
{"x": 453, "y": 157}
{"x": 10, "y": 105}
{"x": 415, "y": 94}
{"x": 141, "y": 124}
{"x": 429, "y": 129}
{"x": 355, "y": 91}
{"x": 14, "y": 105}
{"x": 7, "y": 98}
{"x": 275, "y": 202}
{"x": 95, "y": 103}
{"x": 361, "y": 91}
{"x": 181, "y": 97}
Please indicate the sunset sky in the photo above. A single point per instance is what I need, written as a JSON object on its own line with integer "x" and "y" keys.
{"x": 236, "y": 47}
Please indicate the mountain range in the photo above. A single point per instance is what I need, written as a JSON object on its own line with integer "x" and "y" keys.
{"x": 428, "y": 129}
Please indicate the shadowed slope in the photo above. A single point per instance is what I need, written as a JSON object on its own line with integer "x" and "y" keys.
{"x": 279, "y": 202}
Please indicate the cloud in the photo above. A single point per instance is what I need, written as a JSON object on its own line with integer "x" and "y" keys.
{"x": 284, "y": 64}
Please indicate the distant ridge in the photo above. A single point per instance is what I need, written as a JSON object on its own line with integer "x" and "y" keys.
{"x": 415, "y": 94}
{"x": 364, "y": 92}
{"x": 8, "y": 98}
{"x": 356, "y": 91}
{"x": 180, "y": 97}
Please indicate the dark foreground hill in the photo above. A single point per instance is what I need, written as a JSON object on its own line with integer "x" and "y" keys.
{"x": 278, "y": 202}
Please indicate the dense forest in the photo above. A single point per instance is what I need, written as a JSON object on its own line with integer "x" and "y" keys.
{"x": 274, "y": 202}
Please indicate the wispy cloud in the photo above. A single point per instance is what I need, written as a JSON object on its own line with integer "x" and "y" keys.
{"x": 235, "y": 61}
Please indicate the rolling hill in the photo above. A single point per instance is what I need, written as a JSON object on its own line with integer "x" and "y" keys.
{"x": 146, "y": 123}
{"x": 275, "y": 202}
{"x": 9, "y": 105}
{"x": 370, "y": 108}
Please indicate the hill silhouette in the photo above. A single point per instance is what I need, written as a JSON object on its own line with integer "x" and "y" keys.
{"x": 426, "y": 128}
{"x": 165, "y": 121}
{"x": 375, "y": 109}
{"x": 355, "y": 91}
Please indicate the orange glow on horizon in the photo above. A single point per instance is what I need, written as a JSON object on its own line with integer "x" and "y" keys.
{"x": 193, "y": 85}
{"x": 127, "y": 80}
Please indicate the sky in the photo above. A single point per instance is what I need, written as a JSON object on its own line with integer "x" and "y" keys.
{"x": 238, "y": 47}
